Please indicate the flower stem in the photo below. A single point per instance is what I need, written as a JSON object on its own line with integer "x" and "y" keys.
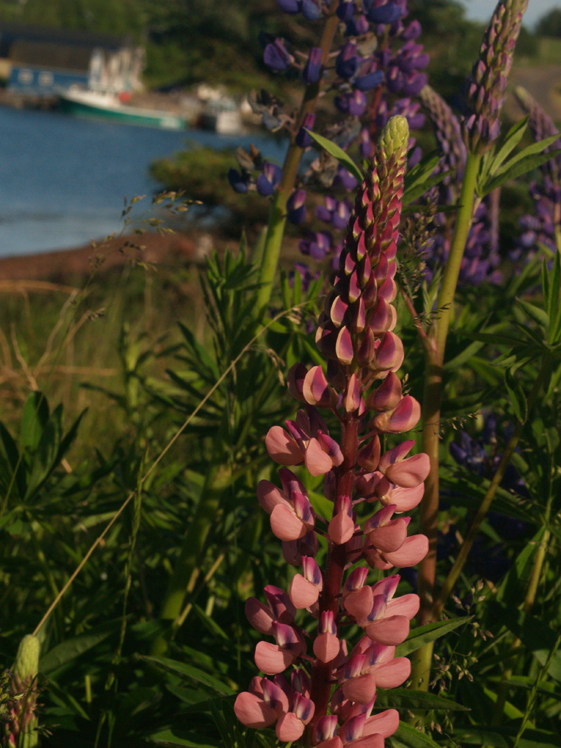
{"x": 434, "y": 361}
{"x": 277, "y": 216}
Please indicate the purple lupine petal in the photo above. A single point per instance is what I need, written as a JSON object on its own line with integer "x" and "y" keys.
{"x": 312, "y": 69}
{"x": 289, "y": 6}
{"x": 310, "y": 10}
{"x": 276, "y": 56}
{"x": 370, "y": 81}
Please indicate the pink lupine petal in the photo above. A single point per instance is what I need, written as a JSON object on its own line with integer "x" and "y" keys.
{"x": 295, "y": 380}
{"x": 351, "y": 730}
{"x": 369, "y": 455}
{"x": 404, "y": 499}
{"x": 384, "y": 723}
{"x": 338, "y": 310}
{"x": 279, "y": 602}
{"x": 271, "y": 659}
{"x": 356, "y": 579}
{"x": 341, "y": 528}
{"x": 359, "y": 603}
{"x": 259, "y": 616}
{"x": 406, "y": 605}
{"x": 369, "y": 741}
{"x": 392, "y": 674}
{"x": 396, "y": 454}
{"x": 413, "y": 550}
{"x": 289, "y": 728}
{"x": 331, "y": 448}
{"x": 316, "y": 390}
{"x": 410, "y": 472}
{"x": 351, "y": 399}
{"x": 380, "y": 320}
{"x": 386, "y": 586}
{"x": 275, "y": 696}
{"x": 253, "y": 712}
{"x": 326, "y": 647}
{"x": 331, "y": 743}
{"x": 361, "y": 690}
{"x": 390, "y": 537}
{"x": 368, "y": 483}
{"x": 344, "y": 347}
{"x": 389, "y": 354}
{"x": 405, "y": 417}
{"x": 388, "y": 290}
{"x": 375, "y": 560}
{"x": 316, "y": 460}
{"x": 388, "y": 394}
{"x": 325, "y": 728}
{"x": 282, "y": 447}
{"x": 389, "y": 631}
{"x": 302, "y": 593}
{"x": 286, "y": 525}
{"x": 270, "y": 495}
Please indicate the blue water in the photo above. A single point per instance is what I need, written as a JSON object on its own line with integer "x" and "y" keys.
{"x": 63, "y": 180}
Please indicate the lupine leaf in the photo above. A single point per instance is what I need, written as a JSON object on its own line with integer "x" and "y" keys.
{"x": 334, "y": 150}
{"x": 537, "y": 314}
{"x": 512, "y": 138}
{"x": 503, "y": 737}
{"x": 513, "y": 170}
{"x": 34, "y": 418}
{"x": 517, "y": 578}
{"x": 415, "y": 191}
{"x": 71, "y": 648}
{"x": 536, "y": 636}
{"x": 411, "y": 738}
{"x": 425, "y": 634}
{"x": 405, "y": 698}
{"x": 191, "y": 672}
{"x": 167, "y": 738}
{"x": 516, "y": 396}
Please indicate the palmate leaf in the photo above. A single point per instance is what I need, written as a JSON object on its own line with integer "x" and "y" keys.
{"x": 168, "y": 738}
{"x": 424, "y": 634}
{"x": 515, "y": 583}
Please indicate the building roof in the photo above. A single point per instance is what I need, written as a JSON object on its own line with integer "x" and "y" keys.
{"x": 57, "y": 56}
{"x": 15, "y": 32}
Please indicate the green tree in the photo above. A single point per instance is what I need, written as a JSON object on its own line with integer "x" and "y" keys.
{"x": 550, "y": 23}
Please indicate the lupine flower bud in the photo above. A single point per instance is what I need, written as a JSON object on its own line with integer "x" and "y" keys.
{"x": 20, "y": 720}
{"x": 487, "y": 85}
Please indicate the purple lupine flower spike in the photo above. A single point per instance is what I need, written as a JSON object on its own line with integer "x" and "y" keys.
{"x": 487, "y": 84}
{"x": 545, "y": 225}
{"x": 355, "y": 335}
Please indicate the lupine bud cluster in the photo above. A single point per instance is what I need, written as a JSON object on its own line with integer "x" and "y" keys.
{"x": 330, "y": 692}
{"x": 545, "y": 224}
{"x": 481, "y": 256}
{"x": 20, "y": 728}
{"x": 487, "y": 85}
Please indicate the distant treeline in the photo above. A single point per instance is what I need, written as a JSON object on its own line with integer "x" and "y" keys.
{"x": 188, "y": 41}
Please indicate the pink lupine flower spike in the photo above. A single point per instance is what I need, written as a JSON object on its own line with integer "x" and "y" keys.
{"x": 328, "y": 700}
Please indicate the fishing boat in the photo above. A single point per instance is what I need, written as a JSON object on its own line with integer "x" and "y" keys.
{"x": 108, "y": 106}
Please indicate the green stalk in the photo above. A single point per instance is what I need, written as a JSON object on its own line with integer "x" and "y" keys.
{"x": 434, "y": 361}
{"x": 277, "y": 216}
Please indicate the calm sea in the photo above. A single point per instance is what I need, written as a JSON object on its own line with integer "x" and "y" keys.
{"x": 63, "y": 179}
